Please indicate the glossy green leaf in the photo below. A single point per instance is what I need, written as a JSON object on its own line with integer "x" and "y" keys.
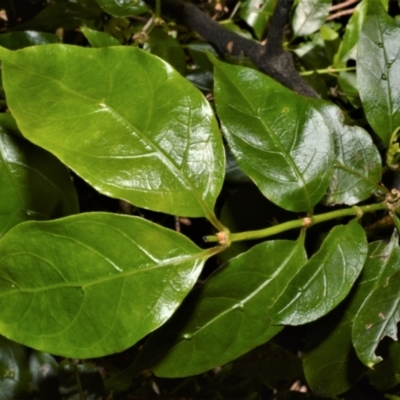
{"x": 123, "y": 8}
{"x": 278, "y": 139}
{"x": 226, "y": 317}
{"x": 348, "y": 46}
{"x": 357, "y": 164}
{"x": 325, "y": 280}
{"x": 257, "y": 14}
{"x": 377, "y": 318}
{"x": 19, "y": 40}
{"x": 383, "y": 264}
{"x": 331, "y": 365}
{"x": 378, "y": 70}
{"x": 168, "y": 48}
{"x": 152, "y": 141}
{"x": 34, "y": 184}
{"x": 92, "y": 284}
{"x": 99, "y": 39}
{"x": 309, "y": 16}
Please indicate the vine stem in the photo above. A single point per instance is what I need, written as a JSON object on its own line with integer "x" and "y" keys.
{"x": 329, "y": 70}
{"x": 306, "y": 222}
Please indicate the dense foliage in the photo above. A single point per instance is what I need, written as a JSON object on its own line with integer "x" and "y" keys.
{"x": 176, "y": 223}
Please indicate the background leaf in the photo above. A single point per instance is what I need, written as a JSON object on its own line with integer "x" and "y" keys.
{"x": 278, "y": 139}
{"x": 123, "y": 8}
{"x": 34, "y": 184}
{"x": 227, "y": 311}
{"x": 99, "y": 39}
{"x": 92, "y": 284}
{"x": 152, "y": 141}
{"x": 378, "y": 70}
{"x": 19, "y": 40}
{"x": 309, "y": 16}
{"x": 357, "y": 164}
{"x": 325, "y": 280}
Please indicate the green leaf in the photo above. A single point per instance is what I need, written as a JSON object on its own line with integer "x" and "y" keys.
{"x": 386, "y": 374}
{"x": 123, "y": 8}
{"x": 357, "y": 164}
{"x": 226, "y": 317}
{"x": 152, "y": 141}
{"x": 331, "y": 41}
{"x": 377, "y": 318}
{"x": 19, "y": 40}
{"x": 257, "y": 14}
{"x": 166, "y": 47}
{"x": 325, "y": 280}
{"x": 99, "y": 39}
{"x": 348, "y": 46}
{"x": 378, "y": 71}
{"x": 309, "y": 16}
{"x": 278, "y": 139}
{"x": 92, "y": 284}
{"x": 34, "y": 184}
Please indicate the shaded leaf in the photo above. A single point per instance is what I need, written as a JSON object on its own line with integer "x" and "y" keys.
{"x": 19, "y": 40}
{"x": 257, "y": 14}
{"x": 123, "y": 8}
{"x": 99, "y": 39}
{"x": 378, "y": 70}
{"x": 92, "y": 284}
{"x": 377, "y": 318}
{"x": 152, "y": 141}
{"x": 34, "y": 184}
{"x": 228, "y": 311}
{"x": 325, "y": 280}
{"x": 278, "y": 139}
{"x": 309, "y": 16}
{"x": 357, "y": 164}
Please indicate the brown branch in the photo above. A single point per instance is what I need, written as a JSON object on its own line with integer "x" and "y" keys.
{"x": 343, "y": 5}
{"x": 341, "y": 14}
{"x": 271, "y": 59}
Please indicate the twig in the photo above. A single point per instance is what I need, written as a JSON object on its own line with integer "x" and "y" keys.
{"x": 343, "y": 5}
{"x": 341, "y": 14}
{"x": 270, "y": 59}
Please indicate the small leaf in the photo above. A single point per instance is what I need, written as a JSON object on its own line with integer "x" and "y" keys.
{"x": 34, "y": 184}
{"x": 278, "y": 139}
{"x": 309, "y": 16}
{"x": 377, "y": 318}
{"x": 257, "y": 14}
{"x": 19, "y": 40}
{"x": 325, "y": 280}
{"x": 99, "y": 39}
{"x": 226, "y": 317}
{"x": 92, "y": 284}
{"x": 152, "y": 141}
{"x": 378, "y": 70}
{"x": 123, "y": 8}
{"x": 357, "y": 164}
{"x": 348, "y": 47}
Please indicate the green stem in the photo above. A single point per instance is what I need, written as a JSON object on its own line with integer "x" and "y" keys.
{"x": 329, "y": 70}
{"x": 301, "y": 223}
{"x": 78, "y": 379}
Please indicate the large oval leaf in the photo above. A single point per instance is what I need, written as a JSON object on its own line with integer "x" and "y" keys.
{"x": 123, "y": 119}
{"x": 226, "y": 317}
{"x": 34, "y": 184}
{"x": 378, "y": 70}
{"x": 92, "y": 284}
{"x": 357, "y": 164}
{"x": 278, "y": 139}
{"x": 325, "y": 280}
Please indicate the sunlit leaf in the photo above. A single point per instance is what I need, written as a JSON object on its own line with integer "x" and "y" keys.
{"x": 325, "y": 280}
{"x": 226, "y": 317}
{"x": 121, "y": 118}
{"x": 357, "y": 164}
{"x": 309, "y": 16}
{"x": 278, "y": 139}
{"x": 92, "y": 284}
{"x": 34, "y": 184}
{"x": 378, "y": 70}
{"x": 99, "y": 39}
